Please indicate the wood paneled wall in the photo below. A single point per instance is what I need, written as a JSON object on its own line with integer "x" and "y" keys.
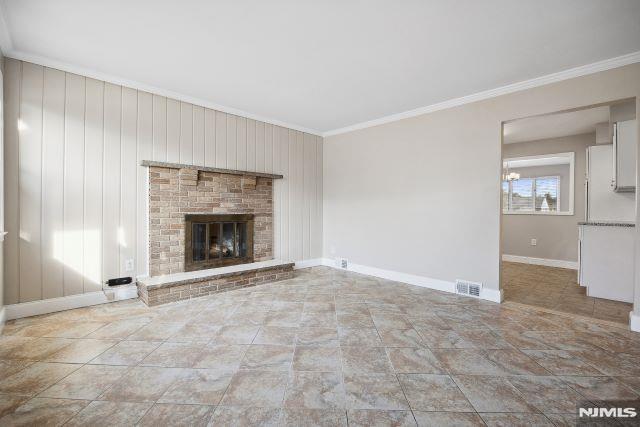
{"x": 75, "y": 196}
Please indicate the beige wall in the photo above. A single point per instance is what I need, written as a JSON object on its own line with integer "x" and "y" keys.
{"x": 557, "y": 235}
{"x": 76, "y": 197}
{"x": 1, "y": 188}
{"x": 391, "y": 191}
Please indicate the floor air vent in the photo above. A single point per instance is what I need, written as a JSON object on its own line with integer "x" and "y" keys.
{"x": 471, "y": 289}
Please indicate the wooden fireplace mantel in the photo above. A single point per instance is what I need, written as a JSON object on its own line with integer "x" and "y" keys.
{"x": 153, "y": 163}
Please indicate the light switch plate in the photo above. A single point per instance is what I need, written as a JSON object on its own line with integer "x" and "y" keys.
{"x": 129, "y": 265}
{"x": 534, "y": 242}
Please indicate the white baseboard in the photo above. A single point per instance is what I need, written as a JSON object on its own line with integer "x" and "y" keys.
{"x": 541, "y": 261}
{"x": 307, "y": 263}
{"x": 412, "y": 279}
{"x": 634, "y": 322}
{"x": 52, "y": 305}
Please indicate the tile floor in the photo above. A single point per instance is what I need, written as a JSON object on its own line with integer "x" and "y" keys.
{"x": 557, "y": 289}
{"x": 325, "y": 348}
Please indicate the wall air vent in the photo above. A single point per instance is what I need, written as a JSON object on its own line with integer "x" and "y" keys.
{"x": 471, "y": 289}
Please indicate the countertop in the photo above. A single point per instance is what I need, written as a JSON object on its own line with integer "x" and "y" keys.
{"x": 607, "y": 223}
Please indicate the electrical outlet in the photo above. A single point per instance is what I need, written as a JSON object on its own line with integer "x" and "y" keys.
{"x": 129, "y": 265}
{"x": 534, "y": 242}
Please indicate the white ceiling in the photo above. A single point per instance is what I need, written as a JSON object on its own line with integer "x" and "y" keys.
{"x": 321, "y": 65}
{"x": 555, "y": 125}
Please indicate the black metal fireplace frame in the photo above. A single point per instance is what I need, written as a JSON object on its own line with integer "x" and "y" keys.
{"x": 191, "y": 219}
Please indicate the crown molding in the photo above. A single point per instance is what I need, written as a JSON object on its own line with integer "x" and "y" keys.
{"x": 571, "y": 73}
{"x": 94, "y": 74}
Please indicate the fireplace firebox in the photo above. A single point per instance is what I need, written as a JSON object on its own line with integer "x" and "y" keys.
{"x": 217, "y": 240}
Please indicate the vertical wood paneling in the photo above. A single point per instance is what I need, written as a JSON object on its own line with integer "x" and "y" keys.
{"x": 145, "y": 149}
{"x": 260, "y": 147}
{"x": 77, "y": 196}
{"x": 93, "y": 161}
{"x": 308, "y": 191}
{"x": 73, "y": 235}
{"x": 319, "y": 200}
{"x": 291, "y": 188}
{"x": 128, "y": 189}
{"x": 111, "y": 176}
{"x": 277, "y": 208}
{"x": 198, "y": 136}
{"x": 173, "y": 131}
{"x": 11, "y": 249}
{"x": 251, "y": 145}
{"x": 268, "y": 147}
{"x": 241, "y": 143}
{"x": 186, "y": 133}
{"x": 30, "y": 182}
{"x": 221, "y": 140}
{"x": 53, "y": 183}
{"x": 209, "y": 137}
{"x": 232, "y": 148}
{"x": 159, "y": 128}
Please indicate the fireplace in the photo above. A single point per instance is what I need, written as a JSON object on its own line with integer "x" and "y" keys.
{"x": 217, "y": 240}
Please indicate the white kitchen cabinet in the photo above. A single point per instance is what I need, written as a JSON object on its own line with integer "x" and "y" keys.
{"x": 606, "y": 260}
{"x": 625, "y": 140}
{"x": 604, "y": 204}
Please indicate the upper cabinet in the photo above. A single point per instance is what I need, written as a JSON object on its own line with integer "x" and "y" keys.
{"x": 625, "y": 140}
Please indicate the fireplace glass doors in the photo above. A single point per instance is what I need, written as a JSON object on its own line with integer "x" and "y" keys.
{"x": 217, "y": 240}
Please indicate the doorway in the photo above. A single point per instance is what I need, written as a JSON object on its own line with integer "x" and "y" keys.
{"x": 561, "y": 207}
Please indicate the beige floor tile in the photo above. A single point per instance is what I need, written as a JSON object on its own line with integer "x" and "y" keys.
{"x": 466, "y": 361}
{"x": 35, "y": 378}
{"x": 88, "y": 382}
{"x": 322, "y": 359}
{"x": 9, "y": 402}
{"x": 312, "y": 336}
{"x": 374, "y": 391}
{"x": 117, "y": 330}
{"x": 236, "y": 334}
{"x": 367, "y": 337}
{"x": 409, "y": 360}
{"x": 514, "y": 362}
{"x": 561, "y": 362}
{"x": 366, "y": 418}
{"x": 156, "y": 331}
{"x": 166, "y": 414}
{"x": 221, "y": 356}
{"x": 492, "y": 394}
{"x": 127, "y": 353}
{"x": 174, "y": 355}
{"x": 142, "y": 384}
{"x": 315, "y": 390}
{"x": 294, "y": 417}
{"x": 443, "y": 338}
{"x": 548, "y": 394}
{"x": 10, "y": 367}
{"x": 256, "y": 388}
{"x": 365, "y": 360}
{"x": 246, "y": 416}
{"x": 198, "y": 386}
{"x": 276, "y": 335}
{"x": 81, "y": 351}
{"x": 428, "y": 392}
{"x": 108, "y": 414}
{"x": 600, "y": 388}
{"x": 514, "y": 419}
{"x": 401, "y": 338}
{"x": 44, "y": 411}
{"x": 448, "y": 419}
{"x": 268, "y": 357}
{"x": 38, "y": 349}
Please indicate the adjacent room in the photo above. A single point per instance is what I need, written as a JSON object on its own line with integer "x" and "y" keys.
{"x": 568, "y": 211}
{"x": 329, "y": 213}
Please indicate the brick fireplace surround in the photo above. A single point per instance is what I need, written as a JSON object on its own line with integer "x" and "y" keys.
{"x": 176, "y": 190}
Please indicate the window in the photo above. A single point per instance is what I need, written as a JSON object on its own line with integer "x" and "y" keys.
{"x": 531, "y": 195}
